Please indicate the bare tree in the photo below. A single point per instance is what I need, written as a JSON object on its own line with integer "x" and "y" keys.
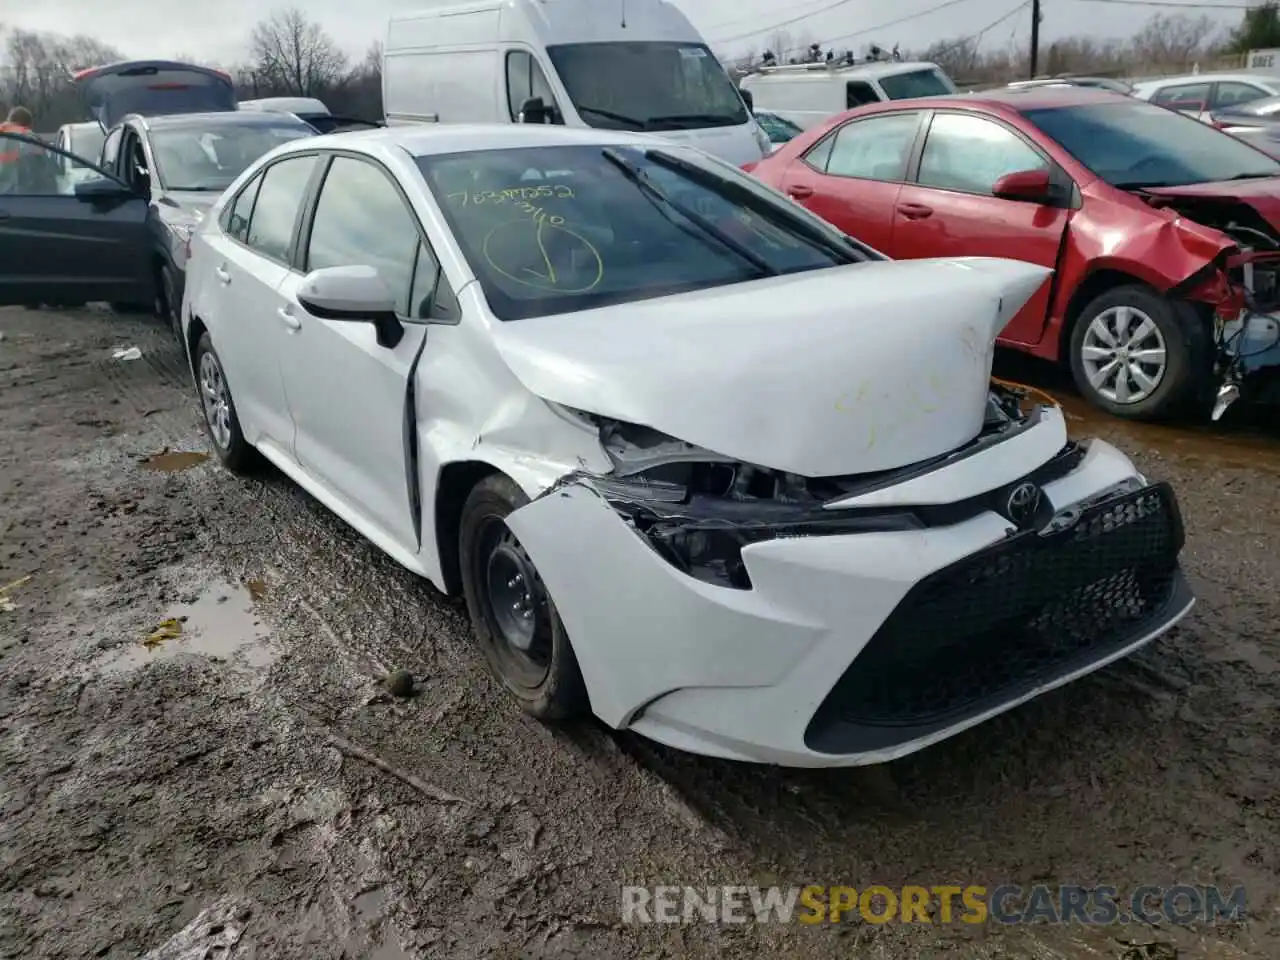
{"x": 39, "y": 71}
{"x": 1173, "y": 41}
{"x": 295, "y": 56}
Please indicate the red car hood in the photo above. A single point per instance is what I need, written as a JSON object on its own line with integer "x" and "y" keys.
{"x": 1262, "y": 194}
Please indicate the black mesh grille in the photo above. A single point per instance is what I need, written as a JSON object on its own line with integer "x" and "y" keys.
{"x": 1012, "y": 616}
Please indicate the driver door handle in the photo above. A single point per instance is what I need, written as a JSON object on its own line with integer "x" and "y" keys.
{"x": 800, "y": 192}
{"x": 915, "y": 211}
{"x": 223, "y": 276}
{"x": 290, "y": 321}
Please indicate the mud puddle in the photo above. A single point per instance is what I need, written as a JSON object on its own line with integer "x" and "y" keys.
{"x": 173, "y": 461}
{"x": 221, "y": 624}
{"x": 369, "y": 910}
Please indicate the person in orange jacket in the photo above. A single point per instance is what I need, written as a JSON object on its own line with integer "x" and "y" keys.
{"x": 19, "y": 122}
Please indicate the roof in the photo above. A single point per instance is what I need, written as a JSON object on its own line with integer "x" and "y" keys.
{"x": 818, "y": 72}
{"x": 82, "y": 125}
{"x": 1018, "y": 99}
{"x": 308, "y": 105}
{"x": 221, "y": 118}
{"x": 1245, "y": 76}
{"x": 427, "y": 139}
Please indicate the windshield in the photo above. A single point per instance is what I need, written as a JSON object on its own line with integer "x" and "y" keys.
{"x": 1264, "y": 107}
{"x": 559, "y": 229}
{"x": 647, "y": 86}
{"x": 918, "y": 83}
{"x": 208, "y": 158}
{"x": 87, "y": 141}
{"x": 777, "y": 129}
{"x": 1133, "y": 144}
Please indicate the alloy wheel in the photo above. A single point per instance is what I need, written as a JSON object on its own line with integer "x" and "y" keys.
{"x": 216, "y": 400}
{"x": 1124, "y": 355}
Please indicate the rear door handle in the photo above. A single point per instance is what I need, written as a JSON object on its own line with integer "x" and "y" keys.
{"x": 222, "y": 275}
{"x": 800, "y": 192}
{"x": 915, "y": 211}
{"x": 290, "y": 321}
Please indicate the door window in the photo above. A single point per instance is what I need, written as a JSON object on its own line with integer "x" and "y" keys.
{"x": 1229, "y": 94}
{"x": 235, "y": 220}
{"x": 275, "y": 213}
{"x": 877, "y": 148}
{"x": 1183, "y": 96}
{"x": 525, "y": 79}
{"x": 111, "y": 149}
{"x": 39, "y": 170}
{"x": 856, "y": 93}
{"x": 362, "y": 220}
{"x": 970, "y": 154}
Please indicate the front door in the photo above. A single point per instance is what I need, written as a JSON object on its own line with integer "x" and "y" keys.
{"x": 950, "y": 211}
{"x": 348, "y": 394}
{"x": 852, "y": 177}
{"x": 69, "y": 233}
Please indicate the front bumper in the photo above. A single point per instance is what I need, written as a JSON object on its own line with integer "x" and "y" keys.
{"x": 856, "y": 649}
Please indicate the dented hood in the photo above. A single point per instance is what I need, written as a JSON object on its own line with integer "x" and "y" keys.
{"x": 850, "y": 370}
{"x": 1262, "y": 194}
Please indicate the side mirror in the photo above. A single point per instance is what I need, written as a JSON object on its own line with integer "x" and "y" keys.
{"x": 102, "y": 188}
{"x": 357, "y": 294}
{"x": 1033, "y": 186}
{"x": 534, "y": 110}
{"x": 748, "y": 98}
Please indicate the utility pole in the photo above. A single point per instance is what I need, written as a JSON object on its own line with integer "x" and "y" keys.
{"x": 1035, "y": 36}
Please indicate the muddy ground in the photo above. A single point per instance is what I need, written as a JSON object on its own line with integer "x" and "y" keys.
{"x": 221, "y": 770}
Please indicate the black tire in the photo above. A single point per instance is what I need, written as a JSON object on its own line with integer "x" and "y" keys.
{"x": 1183, "y": 388}
{"x": 170, "y": 304}
{"x": 544, "y": 678}
{"x": 235, "y": 453}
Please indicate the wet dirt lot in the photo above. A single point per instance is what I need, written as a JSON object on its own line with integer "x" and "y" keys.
{"x": 244, "y": 761}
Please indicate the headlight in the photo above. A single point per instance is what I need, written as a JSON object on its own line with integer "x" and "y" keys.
{"x": 699, "y": 516}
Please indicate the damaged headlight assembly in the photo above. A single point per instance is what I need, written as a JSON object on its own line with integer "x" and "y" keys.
{"x": 699, "y": 510}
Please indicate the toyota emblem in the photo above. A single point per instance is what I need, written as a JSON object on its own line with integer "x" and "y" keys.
{"x": 1023, "y": 501}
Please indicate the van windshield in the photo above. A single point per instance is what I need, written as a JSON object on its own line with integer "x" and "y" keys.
{"x": 918, "y": 83}
{"x": 647, "y": 85}
{"x": 550, "y": 230}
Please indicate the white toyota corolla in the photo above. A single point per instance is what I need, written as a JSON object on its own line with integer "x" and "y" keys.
{"x": 699, "y": 463}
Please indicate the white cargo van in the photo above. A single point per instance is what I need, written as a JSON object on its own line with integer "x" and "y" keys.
{"x": 808, "y": 93}
{"x": 612, "y": 64}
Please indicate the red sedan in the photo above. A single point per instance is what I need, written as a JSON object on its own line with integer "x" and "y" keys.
{"x": 1164, "y": 232}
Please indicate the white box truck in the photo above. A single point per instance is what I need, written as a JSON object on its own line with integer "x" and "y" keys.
{"x": 613, "y": 64}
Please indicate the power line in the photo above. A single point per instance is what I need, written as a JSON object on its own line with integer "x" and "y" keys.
{"x": 783, "y": 23}
{"x": 737, "y": 20}
{"x": 1174, "y": 4}
{"x": 861, "y": 33}
{"x": 985, "y": 30}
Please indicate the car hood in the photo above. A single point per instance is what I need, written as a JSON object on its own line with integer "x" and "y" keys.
{"x": 152, "y": 88}
{"x": 844, "y": 371}
{"x": 1262, "y": 194}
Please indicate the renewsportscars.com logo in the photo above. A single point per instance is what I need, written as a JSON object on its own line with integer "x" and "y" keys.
{"x": 943, "y": 904}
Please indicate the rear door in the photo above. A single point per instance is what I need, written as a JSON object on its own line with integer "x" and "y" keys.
{"x": 153, "y": 88}
{"x": 69, "y": 232}
{"x": 949, "y": 211}
{"x": 252, "y": 254}
{"x": 851, "y": 178}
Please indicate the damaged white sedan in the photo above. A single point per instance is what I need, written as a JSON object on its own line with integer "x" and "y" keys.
{"x": 699, "y": 463}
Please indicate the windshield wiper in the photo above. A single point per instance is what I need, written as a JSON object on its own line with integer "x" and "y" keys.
{"x": 641, "y": 180}
{"x": 610, "y": 115}
{"x": 710, "y": 119}
{"x": 846, "y": 251}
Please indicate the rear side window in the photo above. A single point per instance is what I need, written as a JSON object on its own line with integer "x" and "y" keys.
{"x": 1183, "y": 96}
{"x": 877, "y": 148}
{"x": 1231, "y": 94}
{"x": 361, "y": 220}
{"x": 276, "y": 211}
{"x": 235, "y": 221}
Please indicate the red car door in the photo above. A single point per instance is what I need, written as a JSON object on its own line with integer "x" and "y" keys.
{"x": 851, "y": 177}
{"x": 949, "y": 211}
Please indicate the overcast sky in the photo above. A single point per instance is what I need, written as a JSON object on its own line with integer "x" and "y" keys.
{"x": 216, "y": 30}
